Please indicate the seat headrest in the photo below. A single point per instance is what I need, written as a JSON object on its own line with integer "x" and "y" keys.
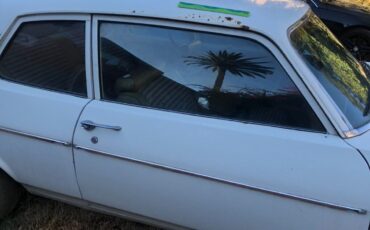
{"x": 137, "y": 79}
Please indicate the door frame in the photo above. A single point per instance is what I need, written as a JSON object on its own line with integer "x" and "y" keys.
{"x": 7, "y": 37}
{"x": 17, "y": 23}
{"x": 265, "y": 41}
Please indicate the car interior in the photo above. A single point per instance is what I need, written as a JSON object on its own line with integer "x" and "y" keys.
{"x": 44, "y": 55}
{"x": 129, "y": 80}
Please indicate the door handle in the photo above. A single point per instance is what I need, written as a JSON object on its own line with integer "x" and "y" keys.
{"x": 90, "y": 125}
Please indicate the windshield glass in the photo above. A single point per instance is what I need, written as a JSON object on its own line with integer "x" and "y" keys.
{"x": 365, "y": 4}
{"x": 343, "y": 77}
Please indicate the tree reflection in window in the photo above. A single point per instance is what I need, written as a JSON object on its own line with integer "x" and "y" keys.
{"x": 233, "y": 62}
{"x": 199, "y": 73}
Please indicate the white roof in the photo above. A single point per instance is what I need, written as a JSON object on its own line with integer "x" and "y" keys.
{"x": 267, "y": 16}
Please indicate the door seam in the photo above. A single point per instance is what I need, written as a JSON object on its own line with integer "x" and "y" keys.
{"x": 73, "y": 147}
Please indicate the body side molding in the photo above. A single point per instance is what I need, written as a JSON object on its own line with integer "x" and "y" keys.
{"x": 229, "y": 182}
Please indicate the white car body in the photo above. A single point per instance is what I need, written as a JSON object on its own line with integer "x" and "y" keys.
{"x": 171, "y": 169}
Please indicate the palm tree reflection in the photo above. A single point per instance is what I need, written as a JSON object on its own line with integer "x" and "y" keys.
{"x": 233, "y": 62}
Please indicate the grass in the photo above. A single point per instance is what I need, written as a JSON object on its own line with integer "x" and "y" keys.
{"x": 43, "y": 214}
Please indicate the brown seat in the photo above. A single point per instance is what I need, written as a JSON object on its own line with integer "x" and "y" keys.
{"x": 49, "y": 63}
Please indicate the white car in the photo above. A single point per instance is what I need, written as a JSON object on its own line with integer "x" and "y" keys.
{"x": 244, "y": 114}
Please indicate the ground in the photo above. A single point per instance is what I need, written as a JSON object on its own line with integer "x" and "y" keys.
{"x": 43, "y": 214}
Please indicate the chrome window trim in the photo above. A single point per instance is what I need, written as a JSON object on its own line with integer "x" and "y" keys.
{"x": 275, "y": 50}
{"x": 277, "y": 126}
{"x": 357, "y": 132}
{"x": 15, "y": 25}
{"x": 315, "y": 3}
{"x": 96, "y": 57}
{"x": 359, "y": 211}
{"x": 37, "y": 137}
{"x": 88, "y": 58}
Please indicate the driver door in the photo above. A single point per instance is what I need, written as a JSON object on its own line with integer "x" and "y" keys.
{"x": 207, "y": 130}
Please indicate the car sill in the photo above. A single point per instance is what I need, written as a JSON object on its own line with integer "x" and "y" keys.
{"x": 84, "y": 204}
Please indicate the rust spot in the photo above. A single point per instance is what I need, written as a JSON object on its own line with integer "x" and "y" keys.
{"x": 238, "y": 22}
{"x": 244, "y": 27}
{"x": 229, "y": 18}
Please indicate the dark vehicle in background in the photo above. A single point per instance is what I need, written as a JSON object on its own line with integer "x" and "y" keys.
{"x": 349, "y": 20}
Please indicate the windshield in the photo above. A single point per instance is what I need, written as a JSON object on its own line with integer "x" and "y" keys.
{"x": 343, "y": 77}
{"x": 365, "y": 4}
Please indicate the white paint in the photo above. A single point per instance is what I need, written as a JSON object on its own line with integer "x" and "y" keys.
{"x": 311, "y": 165}
{"x": 45, "y": 114}
{"x": 362, "y": 143}
{"x": 287, "y": 11}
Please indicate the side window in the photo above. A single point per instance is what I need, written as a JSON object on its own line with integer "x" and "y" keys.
{"x": 48, "y": 55}
{"x": 199, "y": 73}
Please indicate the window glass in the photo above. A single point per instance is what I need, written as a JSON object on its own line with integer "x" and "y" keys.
{"x": 47, "y": 55}
{"x": 357, "y": 4}
{"x": 199, "y": 73}
{"x": 343, "y": 77}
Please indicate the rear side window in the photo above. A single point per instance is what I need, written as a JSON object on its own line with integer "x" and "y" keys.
{"x": 200, "y": 74}
{"x": 49, "y": 55}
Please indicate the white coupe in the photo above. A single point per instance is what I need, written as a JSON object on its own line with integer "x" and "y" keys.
{"x": 207, "y": 114}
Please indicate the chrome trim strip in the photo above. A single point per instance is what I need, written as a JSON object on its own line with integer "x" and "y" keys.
{"x": 352, "y": 133}
{"x": 315, "y": 3}
{"x": 245, "y": 186}
{"x": 358, "y": 131}
{"x": 12, "y": 131}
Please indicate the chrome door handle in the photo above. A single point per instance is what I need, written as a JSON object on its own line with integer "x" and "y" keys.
{"x": 90, "y": 125}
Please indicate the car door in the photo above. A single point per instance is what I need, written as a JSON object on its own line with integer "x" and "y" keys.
{"x": 206, "y": 130}
{"x": 43, "y": 90}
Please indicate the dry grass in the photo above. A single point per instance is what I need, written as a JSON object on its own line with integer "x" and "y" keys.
{"x": 43, "y": 214}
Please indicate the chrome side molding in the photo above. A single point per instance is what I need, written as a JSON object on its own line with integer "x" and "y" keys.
{"x": 184, "y": 172}
{"x": 50, "y": 140}
{"x": 228, "y": 182}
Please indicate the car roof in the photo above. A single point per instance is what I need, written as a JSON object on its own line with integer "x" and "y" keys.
{"x": 265, "y": 16}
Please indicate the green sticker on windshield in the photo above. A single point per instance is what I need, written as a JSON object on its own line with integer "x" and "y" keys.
{"x": 192, "y": 6}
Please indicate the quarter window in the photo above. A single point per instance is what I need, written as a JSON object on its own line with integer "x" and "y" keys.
{"x": 199, "y": 73}
{"x": 48, "y": 55}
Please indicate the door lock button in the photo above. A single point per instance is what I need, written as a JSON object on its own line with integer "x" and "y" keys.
{"x": 94, "y": 140}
